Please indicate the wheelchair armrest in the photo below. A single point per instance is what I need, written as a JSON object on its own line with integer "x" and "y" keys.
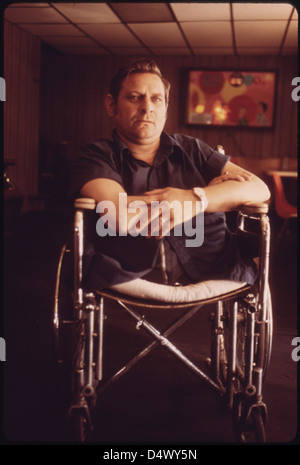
{"x": 247, "y": 208}
{"x": 85, "y": 204}
{"x": 250, "y": 208}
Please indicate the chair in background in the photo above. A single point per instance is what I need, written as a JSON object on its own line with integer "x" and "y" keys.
{"x": 283, "y": 208}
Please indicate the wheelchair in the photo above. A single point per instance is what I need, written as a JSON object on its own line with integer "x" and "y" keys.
{"x": 240, "y": 340}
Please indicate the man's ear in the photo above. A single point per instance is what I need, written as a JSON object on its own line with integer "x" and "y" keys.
{"x": 110, "y": 105}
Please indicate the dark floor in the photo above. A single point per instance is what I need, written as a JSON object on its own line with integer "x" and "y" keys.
{"x": 159, "y": 402}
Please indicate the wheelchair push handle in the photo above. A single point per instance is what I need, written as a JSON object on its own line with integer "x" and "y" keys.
{"x": 85, "y": 203}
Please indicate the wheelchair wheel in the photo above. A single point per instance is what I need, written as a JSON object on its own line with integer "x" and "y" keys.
{"x": 63, "y": 325}
{"x": 268, "y": 335}
{"x": 76, "y": 349}
{"x": 225, "y": 349}
{"x": 262, "y": 343}
{"x": 243, "y": 395}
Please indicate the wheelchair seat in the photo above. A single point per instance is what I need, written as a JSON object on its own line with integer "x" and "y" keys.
{"x": 186, "y": 294}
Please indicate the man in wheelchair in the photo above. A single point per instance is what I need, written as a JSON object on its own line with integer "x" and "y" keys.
{"x": 151, "y": 166}
{"x": 150, "y": 257}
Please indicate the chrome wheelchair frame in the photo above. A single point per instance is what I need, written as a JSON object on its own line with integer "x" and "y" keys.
{"x": 241, "y": 335}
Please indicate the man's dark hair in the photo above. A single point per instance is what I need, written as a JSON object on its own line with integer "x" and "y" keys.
{"x": 140, "y": 66}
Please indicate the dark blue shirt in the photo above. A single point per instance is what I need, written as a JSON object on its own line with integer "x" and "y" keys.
{"x": 182, "y": 162}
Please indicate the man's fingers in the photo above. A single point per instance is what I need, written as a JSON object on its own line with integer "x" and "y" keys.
{"x": 228, "y": 176}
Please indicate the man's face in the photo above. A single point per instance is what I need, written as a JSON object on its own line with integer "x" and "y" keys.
{"x": 140, "y": 110}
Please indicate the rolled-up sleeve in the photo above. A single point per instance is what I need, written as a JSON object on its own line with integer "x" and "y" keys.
{"x": 94, "y": 161}
{"x": 212, "y": 162}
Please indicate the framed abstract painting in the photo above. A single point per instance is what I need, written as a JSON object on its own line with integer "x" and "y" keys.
{"x": 231, "y": 98}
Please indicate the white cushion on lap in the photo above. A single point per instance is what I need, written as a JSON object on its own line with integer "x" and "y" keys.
{"x": 199, "y": 291}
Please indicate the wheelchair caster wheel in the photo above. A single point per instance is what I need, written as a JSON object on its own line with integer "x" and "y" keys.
{"x": 248, "y": 421}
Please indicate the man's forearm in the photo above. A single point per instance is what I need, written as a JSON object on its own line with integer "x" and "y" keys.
{"x": 230, "y": 194}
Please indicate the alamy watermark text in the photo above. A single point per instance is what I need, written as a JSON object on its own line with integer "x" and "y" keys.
{"x": 151, "y": 220}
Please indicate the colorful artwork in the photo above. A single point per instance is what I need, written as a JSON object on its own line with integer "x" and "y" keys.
{"x": 231, "y": 98}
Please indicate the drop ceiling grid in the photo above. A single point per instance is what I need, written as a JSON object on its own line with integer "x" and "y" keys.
{"x": 268, "y": 34}
{"x": 137, "y": 12}
{"x": 175, "y": 28}
{"x": 260, "y": 12}
{"x": 212, "y": 33}
{"x": 158, "y": 34}
{"x": 110, "y": 35}
{"x": 204, "y": 12}
{"x": 82, "y": 13}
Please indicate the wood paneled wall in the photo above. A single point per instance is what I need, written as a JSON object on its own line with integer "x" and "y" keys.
{"x": 74, "y": 89}
{"x": 21, "y": 109}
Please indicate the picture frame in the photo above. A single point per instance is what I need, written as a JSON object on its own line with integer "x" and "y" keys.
{"x": 231, "y": 98}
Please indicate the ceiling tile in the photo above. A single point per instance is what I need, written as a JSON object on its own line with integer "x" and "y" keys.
{"x": 262, "y": 33}
{"x": 261, "y": 11}
{"x": 33, "y": 15}
{"x": 142, "y": 12}
{"x": 43, "y": 30}
{"x": 209, "y": 32}
{"x": 111, "y": 35}
{"x": 291, "y": 39}
{"x": 87, "y": 12}
{"x": 295, "y": 15}
{"x": 201, "y": 11}
{"x": 156, "y": 34}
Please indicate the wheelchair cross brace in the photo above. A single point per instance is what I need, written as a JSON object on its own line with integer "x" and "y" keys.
{"x": 163, "y": 340}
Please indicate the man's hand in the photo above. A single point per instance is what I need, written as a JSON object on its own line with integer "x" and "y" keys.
{"x": 240, "y": 176}
{"x": 234, "y": 187}
{"x": 169, "y": 207}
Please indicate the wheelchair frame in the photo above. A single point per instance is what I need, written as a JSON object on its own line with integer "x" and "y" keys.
{"x": 241, "y": 336}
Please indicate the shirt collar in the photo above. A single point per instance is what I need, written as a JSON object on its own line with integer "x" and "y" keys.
{"x": 121, "y": 146}
{"x": 166, "y": 147}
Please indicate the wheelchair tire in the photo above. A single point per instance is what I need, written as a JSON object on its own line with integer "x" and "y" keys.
{"x": 63, "y": 326}
{"x": 242, "y": 330}
{"x": 240, "y": 350}
{"x": 268, "y": 335}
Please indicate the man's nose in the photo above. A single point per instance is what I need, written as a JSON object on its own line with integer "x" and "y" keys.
{"x": 146, "y": 106}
